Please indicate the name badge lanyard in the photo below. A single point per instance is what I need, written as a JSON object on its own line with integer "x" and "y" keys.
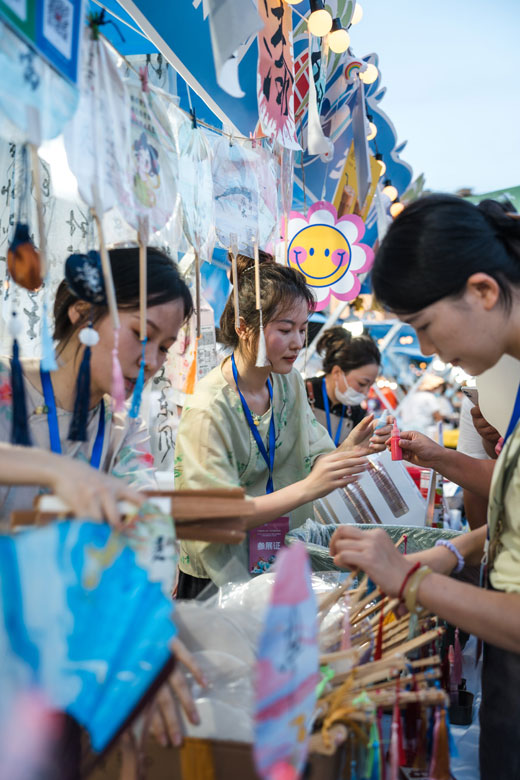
{"x": 327, "y": 414}
{"x": 268, "y": 457}
{"x": 52, "y": 421}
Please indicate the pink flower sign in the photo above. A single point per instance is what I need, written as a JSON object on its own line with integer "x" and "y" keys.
{"x": 328, "y": 252}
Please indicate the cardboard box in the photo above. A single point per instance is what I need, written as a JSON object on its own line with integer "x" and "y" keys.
{"x": 200, "y": 759}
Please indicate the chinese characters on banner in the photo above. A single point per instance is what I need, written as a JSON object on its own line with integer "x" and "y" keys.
{"x": 275, "y": 77}
{"x": 287, "y": 667}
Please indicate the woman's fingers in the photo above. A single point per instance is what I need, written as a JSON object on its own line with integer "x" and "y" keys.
{"x": 170, "y": 728}
{"x": 183, "y": 655}
{"x": 181, "y": 690}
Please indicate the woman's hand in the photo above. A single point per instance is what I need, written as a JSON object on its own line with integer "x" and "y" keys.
{"x": 483, "y": 428}
{"x": 419, "y": 450}
{"x": 88, "y": 492}
{"x": 366, "y": 437}
{"x": 374, "y": 553}
{"x": 331, "y": 471}
{"x": 165, "y": 722}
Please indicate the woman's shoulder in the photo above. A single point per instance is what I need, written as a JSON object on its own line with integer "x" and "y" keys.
{"x": 210, "y": 392}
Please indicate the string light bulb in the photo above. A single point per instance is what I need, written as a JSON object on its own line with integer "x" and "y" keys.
{"x": 382, "y": 164}
{"x": 357, "y": 15}
{"x": 339, "y": 39}
{"x": 396, "y": 208}
{"x": 320, "y": 21}
{"x": 369, "y": 75}
{"x": 389, "y": 190}
{"x": 372, "y": 131}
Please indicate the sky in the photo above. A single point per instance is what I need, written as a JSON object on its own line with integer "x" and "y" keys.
{"x": 452, "y": 72}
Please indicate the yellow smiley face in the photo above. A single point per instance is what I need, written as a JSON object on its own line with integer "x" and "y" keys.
{"x": 321, "y": 253}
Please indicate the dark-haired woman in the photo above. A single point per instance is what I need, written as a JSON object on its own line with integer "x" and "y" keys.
{"x": 351, "y": 366}
{"x": 452, "y": 270}
{"x": 116, "y": 444}
{"x": 252, "y": 427}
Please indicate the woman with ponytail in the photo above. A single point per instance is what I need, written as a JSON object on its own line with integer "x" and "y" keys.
{"x": 251, "y": 426}
{"x": 115, "y": 444}
{"x": 350, "y": 366}
{"x": 452, "y": 270}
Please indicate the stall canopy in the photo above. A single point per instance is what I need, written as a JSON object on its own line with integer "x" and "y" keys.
{"x": 182, "y": 36}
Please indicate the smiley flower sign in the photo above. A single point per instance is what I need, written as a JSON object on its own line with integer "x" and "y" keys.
{"x": 328, "y": 252}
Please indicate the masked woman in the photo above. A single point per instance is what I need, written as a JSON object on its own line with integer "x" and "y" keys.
{"x": 351, "y": 366}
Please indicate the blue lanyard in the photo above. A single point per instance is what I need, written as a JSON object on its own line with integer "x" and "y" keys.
{"x": 52, "y": 421}
{"x": 268, "y": 457}
{"x": 514, "y": 417}
{"x": 327, "y": 413}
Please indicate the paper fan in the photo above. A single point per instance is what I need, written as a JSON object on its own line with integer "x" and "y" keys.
{"x": 81, "y": 622}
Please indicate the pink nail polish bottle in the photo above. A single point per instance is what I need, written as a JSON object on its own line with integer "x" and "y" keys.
{"x": 395, "y": 449}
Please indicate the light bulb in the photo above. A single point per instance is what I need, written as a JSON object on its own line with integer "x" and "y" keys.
{"x": 396, "y": 208}
{"x": 389, "y": 190}
{"x": 369, "y": 75}
{"x": 320, "y": 21}
{"x": 357, "y": 15}
{"x": 382, "y": 165}
{"x": 293, "y": 2}
{"x": 372, "y": 131}
{"x": 339, "y": 39}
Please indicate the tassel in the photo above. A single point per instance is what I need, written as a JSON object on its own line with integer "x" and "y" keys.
{"x": 191, "y": 379}
{"x": 379, "y": 642}
{"x": 395, "y": 757}
{"x": 261, "y": 358}
{"x": 78, "y": 425}
{"x": 411, "y": 721}
{"x": 139, "y": 385}
{"x": 23, "y": 259}
{"x": 373, "y": 761}
{"x": 422, "y": 741}
{"x": 457, "y": 661}
{"x": 440, "y": 762}
{"x": 19, "y": 423}
{"x": 48, "y": 361}
{"x": 118, "y": 383}
{"x": 381, "y": 752}
{"x": 454, "y": 753}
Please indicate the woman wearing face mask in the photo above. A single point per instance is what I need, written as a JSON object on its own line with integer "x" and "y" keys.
{"x": 116, "y": 444}
{"x": 351, "y": 366}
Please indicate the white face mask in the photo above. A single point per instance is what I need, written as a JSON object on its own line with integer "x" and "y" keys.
{"x": 349, "y": 397}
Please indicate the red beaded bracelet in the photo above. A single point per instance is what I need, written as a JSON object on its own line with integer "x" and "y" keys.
{"x": 407, "y": 577}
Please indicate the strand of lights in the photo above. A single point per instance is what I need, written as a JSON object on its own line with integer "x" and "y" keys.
{"x": 396, "y": 208}
{"x": 382, "y": 164}
{"x": 357, "y": 15}
{"x": 389, "y": 190}
{"x": 369, "y": 75}
{"x": 339, "y": 39}
{"x": 320, "y": 21}
{"x": 372, "y": 129}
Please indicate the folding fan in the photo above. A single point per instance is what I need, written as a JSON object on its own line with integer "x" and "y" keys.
{"x": 81, "y": 622}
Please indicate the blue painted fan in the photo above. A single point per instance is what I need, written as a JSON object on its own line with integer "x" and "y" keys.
{"x": 80, "y": 621}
